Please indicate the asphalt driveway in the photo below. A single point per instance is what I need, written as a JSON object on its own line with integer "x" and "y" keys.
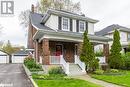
{"x": 13, "y": 75}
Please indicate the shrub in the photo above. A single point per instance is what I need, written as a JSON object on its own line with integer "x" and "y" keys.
{"x": 126, "y": 60}
{"x": 31, "y": 64}
{"x": 56, "y": 70}
{"x": 99, "y": 53}
{"x": 99, "y": 72}
{"x": 50, "y": 77}
{"x": 114, "y": 70}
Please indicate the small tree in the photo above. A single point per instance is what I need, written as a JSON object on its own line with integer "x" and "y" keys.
{"x": 115, "y": 60}
{"x": 8, "y": 49}
{"x": 87, "y": 54}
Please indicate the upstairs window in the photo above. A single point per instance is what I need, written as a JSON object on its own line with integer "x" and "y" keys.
{"x": 81, "y": 26}
{"x": 65, "y": 24}
{"x": 128, "y": 36}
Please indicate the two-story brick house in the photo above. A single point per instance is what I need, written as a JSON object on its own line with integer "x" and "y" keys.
{"x": 57, "y": 35}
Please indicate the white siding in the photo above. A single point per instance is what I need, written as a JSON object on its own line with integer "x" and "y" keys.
{"x": 90, "y": 28}
{"x": 52, "y": 22}
{"x": 74, "y": 25}
{"x": 123, "y": 36}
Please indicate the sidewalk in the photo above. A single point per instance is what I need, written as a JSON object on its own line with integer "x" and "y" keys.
{"x": 99, "y": 82}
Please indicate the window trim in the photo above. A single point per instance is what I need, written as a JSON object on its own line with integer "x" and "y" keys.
{"x": 84, "y": 26}
{"x": 68, "y": 24}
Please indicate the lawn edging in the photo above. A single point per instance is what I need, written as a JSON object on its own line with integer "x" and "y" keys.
{"x": 28, "y": 73}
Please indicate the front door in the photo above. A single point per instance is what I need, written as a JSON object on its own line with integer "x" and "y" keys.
{"x": 58, "y": 50}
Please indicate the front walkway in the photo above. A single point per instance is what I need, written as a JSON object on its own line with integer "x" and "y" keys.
{"x": 13, "y": 75}
{"x": 99, "y": 82}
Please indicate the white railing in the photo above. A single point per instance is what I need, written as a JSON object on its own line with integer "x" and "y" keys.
{"x": 101, "y": 59}
{"x": 40, "y": 61}
{"x": 81, "y": 64}
{"x": 54, "y": 59}
{"x": 65, "y": 64}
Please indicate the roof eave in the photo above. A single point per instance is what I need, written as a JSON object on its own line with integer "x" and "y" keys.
{"x": 49, "y": 12}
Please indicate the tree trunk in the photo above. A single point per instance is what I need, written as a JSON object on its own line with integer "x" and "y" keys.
{"x": 10, "y": 59}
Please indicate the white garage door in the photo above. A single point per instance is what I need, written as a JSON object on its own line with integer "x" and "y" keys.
{"x": 18, "y": 59}
{"x": 4, "y": 59}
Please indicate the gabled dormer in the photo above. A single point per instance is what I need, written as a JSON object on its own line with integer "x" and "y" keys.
{"x": 68, "y": 21}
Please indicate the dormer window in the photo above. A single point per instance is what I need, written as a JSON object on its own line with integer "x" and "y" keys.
{"x": 65, "y": 24}
{"x": 81, "y": 26}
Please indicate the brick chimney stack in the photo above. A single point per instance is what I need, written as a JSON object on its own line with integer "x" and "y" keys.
{"x": 32, "y": 8}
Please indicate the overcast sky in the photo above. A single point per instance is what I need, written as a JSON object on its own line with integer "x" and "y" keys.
{"x": 106, "y": 11}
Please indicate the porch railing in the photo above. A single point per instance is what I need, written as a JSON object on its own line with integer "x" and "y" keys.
{"x": 65, "y": 64}
{"x": 54, "y": 59}
{"x": 81, "y": 64}
{"x": 60, "y": 60}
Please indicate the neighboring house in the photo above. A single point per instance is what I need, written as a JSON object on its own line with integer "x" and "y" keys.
{"x": 19, "y": 56}
{"x": 4, "y": 57}
{"x": 124, "y": 34}
{"x": 57, "y": 35}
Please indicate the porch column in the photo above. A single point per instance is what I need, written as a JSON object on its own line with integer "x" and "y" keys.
{"x": 37, "y": 49}
{"x": 106, "y": 51}
{"x": 79, "y": 48}
{"x": 34, "y": 50}
{"x": 46, "y": 52}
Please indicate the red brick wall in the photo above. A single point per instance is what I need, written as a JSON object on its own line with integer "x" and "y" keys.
{"x": 46, "y": 52}
{"x": 31, "y": 32}
{"x": 68, "y": 49}
{"x": 106, "y": 51}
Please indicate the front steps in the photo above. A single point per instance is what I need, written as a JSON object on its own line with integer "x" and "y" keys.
{"x": 74, "y": 69}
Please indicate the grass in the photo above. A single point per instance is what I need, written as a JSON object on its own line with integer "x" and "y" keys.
{"x": 60, "y": 81}
{"x": 65, "y": 83}
{"x": 123, "y": 79}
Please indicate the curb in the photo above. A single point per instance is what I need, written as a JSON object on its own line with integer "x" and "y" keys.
{"x": 29, "y": 76}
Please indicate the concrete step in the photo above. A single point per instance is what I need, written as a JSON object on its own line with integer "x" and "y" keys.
{"x": 75, "y": 70}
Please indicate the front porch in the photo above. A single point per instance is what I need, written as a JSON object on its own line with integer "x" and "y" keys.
{"x": 64, "y": 53}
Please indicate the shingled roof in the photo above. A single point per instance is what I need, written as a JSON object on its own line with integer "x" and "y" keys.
{"x": 111, "y": 28}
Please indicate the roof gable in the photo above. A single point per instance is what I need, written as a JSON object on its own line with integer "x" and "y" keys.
{"x": 111, "y": 28}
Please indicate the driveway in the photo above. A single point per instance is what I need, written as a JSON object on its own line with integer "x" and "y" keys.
{"x": 13, "y": 75}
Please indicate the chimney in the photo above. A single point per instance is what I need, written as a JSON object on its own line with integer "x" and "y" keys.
{"x": 32, "y": 8}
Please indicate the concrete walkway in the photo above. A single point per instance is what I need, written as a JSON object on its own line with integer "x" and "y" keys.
{"x": 95, "y": 81}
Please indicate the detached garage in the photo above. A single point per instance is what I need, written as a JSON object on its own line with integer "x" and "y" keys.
{"x": 4, "y": 58}
{"x": 19, "y": 56}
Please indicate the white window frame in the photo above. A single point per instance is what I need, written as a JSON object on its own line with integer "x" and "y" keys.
{"x": 84, "y": 26}
{"x": 68, "y": 24}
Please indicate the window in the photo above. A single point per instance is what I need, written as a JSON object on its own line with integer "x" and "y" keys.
{"x": 129, "y": 37}
{"x": 65, "y": 24}
{"x": 81, "y": 26}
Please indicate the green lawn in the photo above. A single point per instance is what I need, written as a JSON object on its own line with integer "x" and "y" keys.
{"x": 117, "y": 79}
{"x": 65, "y": 83}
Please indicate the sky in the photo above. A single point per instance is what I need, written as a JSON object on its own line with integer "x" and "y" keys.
{"x": 108, "y": 12}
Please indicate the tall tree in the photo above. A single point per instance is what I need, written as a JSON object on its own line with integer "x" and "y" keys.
{"x": 43, "y": 5}
{"x": 115, "y": 60}
{"x": 24, "y": 18}
{"x": 87, "y": 54}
